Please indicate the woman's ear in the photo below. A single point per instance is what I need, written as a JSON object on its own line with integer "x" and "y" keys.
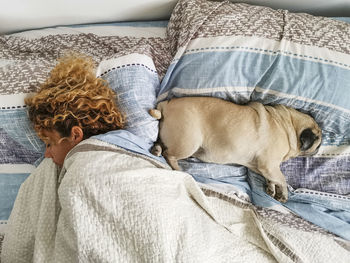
{"x": 76, "y": 135}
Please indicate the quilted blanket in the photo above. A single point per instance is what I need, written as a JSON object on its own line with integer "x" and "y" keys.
{"x": 134, "y": 209}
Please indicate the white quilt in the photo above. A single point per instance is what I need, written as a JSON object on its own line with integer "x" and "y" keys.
{"x": 111, "y": 205}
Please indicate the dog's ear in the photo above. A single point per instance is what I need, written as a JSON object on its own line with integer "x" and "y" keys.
{"x": 307, "y": 139}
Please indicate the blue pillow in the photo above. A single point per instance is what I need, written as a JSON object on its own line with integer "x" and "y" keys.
{"x": 136, "y": 83}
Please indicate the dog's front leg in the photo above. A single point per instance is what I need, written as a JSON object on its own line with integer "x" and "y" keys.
{"x": 276, "y": 185}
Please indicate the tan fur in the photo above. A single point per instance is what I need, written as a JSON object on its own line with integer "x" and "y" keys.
{"x": 214, "y": 130}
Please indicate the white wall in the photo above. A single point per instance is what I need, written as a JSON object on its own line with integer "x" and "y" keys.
{"x": 16, "y": 15}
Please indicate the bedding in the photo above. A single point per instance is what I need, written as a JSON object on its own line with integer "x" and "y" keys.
{"x": 238, "y": 52}
{"x": 140, "y": 211}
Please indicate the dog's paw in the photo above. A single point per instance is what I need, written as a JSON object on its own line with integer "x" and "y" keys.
{"x": 270, "y": 189}
{"x": 156, "y": 150}
{"x": 277, "y": 191}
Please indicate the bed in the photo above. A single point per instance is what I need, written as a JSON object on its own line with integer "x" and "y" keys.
{"x": 114, "y": 201}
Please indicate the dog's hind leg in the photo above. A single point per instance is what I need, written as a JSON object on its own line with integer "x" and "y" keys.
{"x": 172, "y": 161}
{"x": 157, "y": 149}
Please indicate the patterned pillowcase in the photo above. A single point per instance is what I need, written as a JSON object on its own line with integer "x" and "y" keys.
{"x": 242, "y": 52}
{"x": 135, "y": 80}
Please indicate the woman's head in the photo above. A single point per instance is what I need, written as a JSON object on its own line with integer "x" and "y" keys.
{"x": 72, "y": 96}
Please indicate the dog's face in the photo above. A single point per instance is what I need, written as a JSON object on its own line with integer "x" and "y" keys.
{"x": 308, "y": 132}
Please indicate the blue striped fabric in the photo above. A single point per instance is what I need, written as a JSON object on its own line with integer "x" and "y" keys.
{"x": 136, "y": 87}
{"x": 247, "y": 76}
{"x": 9, "y": 186}
{"x": 18, "y": 140}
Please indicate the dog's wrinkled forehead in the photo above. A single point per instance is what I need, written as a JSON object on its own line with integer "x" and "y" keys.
{"x": 303, "y": 121}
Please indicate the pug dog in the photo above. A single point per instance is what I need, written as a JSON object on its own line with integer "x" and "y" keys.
{"x": 257, "y": 136}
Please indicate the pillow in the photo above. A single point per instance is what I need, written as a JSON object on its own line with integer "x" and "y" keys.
{"x": 135, "y": 80}
{"x": 242, "y": 52}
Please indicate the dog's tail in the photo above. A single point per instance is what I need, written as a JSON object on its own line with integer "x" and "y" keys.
{"x": 157, "y": 114}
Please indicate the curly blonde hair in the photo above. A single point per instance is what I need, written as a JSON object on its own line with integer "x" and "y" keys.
{"x": 73, "y": 96}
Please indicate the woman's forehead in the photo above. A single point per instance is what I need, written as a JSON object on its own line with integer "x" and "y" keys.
{"x": 51, "y": 135}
